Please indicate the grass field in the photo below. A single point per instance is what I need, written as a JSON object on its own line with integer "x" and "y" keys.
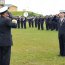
{"x": 35, "y": 47}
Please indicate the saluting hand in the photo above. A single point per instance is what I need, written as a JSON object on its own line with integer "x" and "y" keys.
{"x": 14, "y": 21}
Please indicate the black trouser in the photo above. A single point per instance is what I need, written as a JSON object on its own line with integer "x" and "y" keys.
{"x": 23, "y": 25}
{"x": 36, "y": 23}
{"x": 5, "y": 52}
{"x": 18, "y": 25}
{"x": 47, "y": 26}
{"x": 31, "y": 24}
{"x": 40, "y": 24}
{"x": 62, "y": 44}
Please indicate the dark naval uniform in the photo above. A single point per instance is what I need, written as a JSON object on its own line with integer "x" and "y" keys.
{"x": 5, "y": 40}
{"x": 61, "y": 35}
{"x": 5, "y": 36}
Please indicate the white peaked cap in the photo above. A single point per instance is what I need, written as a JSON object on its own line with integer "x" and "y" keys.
{"x": 3, "y": 9}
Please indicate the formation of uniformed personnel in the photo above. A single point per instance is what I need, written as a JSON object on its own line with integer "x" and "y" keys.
{"x": 40, "y": 23}
{"x": 51, "y": 22}
{"x": 61, "y": 33}
{"x": 5, "y": 36}
{"x": 54, "y": 23}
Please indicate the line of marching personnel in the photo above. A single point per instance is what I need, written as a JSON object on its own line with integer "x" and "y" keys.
{"x": 32, "y": 22}
{"x": 51, "y": 22}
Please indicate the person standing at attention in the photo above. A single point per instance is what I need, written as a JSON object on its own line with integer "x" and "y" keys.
{"x": 61, "y": 33}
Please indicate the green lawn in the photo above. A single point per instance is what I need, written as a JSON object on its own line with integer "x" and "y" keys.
{"x": 35, "y": 47}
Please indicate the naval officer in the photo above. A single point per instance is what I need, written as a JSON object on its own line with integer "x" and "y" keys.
{"x": 5, "y": 36}
{"x": 61, "y": 32}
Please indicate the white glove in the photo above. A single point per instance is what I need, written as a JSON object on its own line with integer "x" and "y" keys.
{"x": 14, "y": 21}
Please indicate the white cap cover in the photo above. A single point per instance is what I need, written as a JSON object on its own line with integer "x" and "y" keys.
{"x": 3, "y": 9}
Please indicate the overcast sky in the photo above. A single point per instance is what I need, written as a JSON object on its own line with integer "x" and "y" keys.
{"x": 39, "y": 6}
